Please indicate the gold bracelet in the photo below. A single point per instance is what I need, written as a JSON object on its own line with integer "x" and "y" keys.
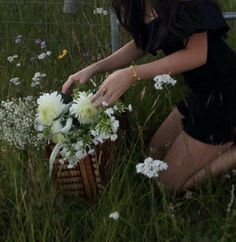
{"x": 135, "y": 76}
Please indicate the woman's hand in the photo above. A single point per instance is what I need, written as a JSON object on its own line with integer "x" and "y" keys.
{"x": 82, "y": 76}
{"x": 113, "y": 87}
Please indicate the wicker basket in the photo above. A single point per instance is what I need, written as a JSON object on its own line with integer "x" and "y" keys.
{"x": 88, "y": 177}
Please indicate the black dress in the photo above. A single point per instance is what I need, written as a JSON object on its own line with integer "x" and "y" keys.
{"x": 210, "y": 109}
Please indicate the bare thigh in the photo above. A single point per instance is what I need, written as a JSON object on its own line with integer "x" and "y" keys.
{"x": 165, "y": 135}
{"x": 186, "y": 157}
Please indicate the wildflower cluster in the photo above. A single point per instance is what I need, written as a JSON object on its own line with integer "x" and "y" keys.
{"x": 43, "y": 55}
{"x": 11, "y": 59}
{"x": 36, "y": 80}
{"x": 77, "y": 126}
{"x": 100, "y": 11}
{"x": 160, "y": 80}
{"x": 17, "y": 117}
{"x": 151, "y": 168}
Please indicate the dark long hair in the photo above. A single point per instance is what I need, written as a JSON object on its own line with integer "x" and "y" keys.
{"x": 130, "y": 14}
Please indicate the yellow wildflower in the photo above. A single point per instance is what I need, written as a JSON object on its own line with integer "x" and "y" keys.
{"x": 63, "y": 54}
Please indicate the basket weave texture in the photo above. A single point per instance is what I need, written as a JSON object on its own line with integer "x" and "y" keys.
{"x": 88, "y": 177}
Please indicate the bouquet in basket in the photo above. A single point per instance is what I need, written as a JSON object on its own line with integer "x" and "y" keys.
{"x": 75, "y": 125}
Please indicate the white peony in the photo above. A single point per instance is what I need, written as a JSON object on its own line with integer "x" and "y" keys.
{"x": 50, "y": 107}
{"x": 83, "y": 109}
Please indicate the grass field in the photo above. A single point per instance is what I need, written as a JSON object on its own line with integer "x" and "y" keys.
{"x": 29, "y": 211}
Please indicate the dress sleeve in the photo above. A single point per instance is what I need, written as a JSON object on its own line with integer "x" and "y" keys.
{"x": 200, "y": 17}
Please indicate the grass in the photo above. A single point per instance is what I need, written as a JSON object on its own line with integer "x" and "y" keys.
{"x": 30, "y": 211}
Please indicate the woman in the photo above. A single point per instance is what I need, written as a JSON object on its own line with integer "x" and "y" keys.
{"x": 198, "y": 135}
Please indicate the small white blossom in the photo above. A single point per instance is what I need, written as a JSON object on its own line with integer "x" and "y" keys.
{"x": 43, "y": 44}
{"x": 100, "y": 11}
{"x": 42, "y": 56}
{"x": 114, "y": 137}
{"x": 36, "y": 80}
{"x": 15, "y": 81}
{"x": 12, "y": 58}
{"x": 19, "y": 39}
{"x": 151, "y": 168}
{"x": 104, "y": 12}
{"x": 18, "y": 64}
{"x": 130, "y": 108}
{"x": 114, "y": 215}
{"x": 109, "y": 111}
{"x": 48, "y": 53}
{"x": 160, "y": 80}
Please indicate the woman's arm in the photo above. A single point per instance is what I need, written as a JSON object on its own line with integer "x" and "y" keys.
{"x": 193, "y": 56}
{"x": 122, "y": 57}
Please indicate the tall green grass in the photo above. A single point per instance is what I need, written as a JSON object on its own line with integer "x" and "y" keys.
{"x": 31, "y": 211}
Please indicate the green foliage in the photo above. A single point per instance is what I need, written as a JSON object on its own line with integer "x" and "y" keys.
{"x": 30, "y": 210}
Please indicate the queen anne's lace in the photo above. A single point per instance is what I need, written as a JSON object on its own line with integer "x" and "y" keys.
{"x": 17, "y": 118}
{"x": 151, "y": 168}
{"x": 160, "y": 80}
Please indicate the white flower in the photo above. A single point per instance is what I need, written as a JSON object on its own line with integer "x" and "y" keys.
{"x": 109, "y": 111}
{"x": 50, "y": 107}
{"x": 15, "y": 81}
{"x": 115, "y": 125}
{"x": 130, "y": 108}
{"x": 83, "y": 109}
{"x": 100, "y": 11}
{"x": 36, "y": 80}
{"x": 163, "y": 79}
{"x": 114, "y": 215}
{"x": 18, "y": 64}
{"x": 91, "y": 152}
{"x": 104, "y": 12}
{"x": 48, "y": 53}
{"x": 114, "y": 137}
{"x": 12, "y": 58}
{"x": 42, "y": 56}
{"x": 56, "y": 128}
{"x": 151, "y": 168}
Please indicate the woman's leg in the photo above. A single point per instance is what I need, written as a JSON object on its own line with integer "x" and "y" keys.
{"x": 185, "y": 158}
{"x": 165, "y": 135}
{"x": 222, "y": 163}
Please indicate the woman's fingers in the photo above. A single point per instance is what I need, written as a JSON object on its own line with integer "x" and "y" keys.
{"x": 102, "y": 98}
{"x": 100, "y": 92}
{"x": 67, "y": 85}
